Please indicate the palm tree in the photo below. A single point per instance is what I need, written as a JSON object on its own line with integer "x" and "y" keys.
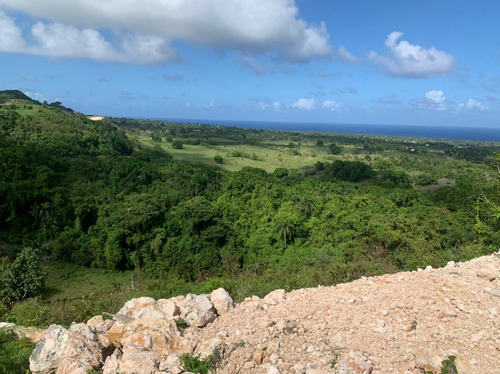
{"x": 286, "y": 230}
{"x": 307, "y": 207}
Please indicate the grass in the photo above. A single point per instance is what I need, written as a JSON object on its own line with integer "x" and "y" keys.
{"x": 268, "y": 156}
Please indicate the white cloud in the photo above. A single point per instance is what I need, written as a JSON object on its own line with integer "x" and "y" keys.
{"x": 332, "y": 105}
{"x": 60, "y": 40}
{"x": 304, "y": 104}
{"x": 412, "y": 61}
{"x": 472, "y": 105}
{"x": 277, "y": 106}
{"x": 346, "y": 56}
{"x": 148, "y": 49}
{"x": 436, "y": 96}
{"x": 434, "y": 100}
{"x": 249, "y": 27}
{"x": 11, "y": 39}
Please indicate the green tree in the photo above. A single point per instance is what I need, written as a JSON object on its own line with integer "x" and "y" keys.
{"x": 22, "y": 278}
{"x": 335, "y": 149}
{"x": 177, "y": 144}
{"x": 286, "y": 231}
{"x": 156, "y": 136}
{"x": 218, "y": 159}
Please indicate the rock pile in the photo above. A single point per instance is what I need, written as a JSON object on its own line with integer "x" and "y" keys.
{"x": 399, "y": 323}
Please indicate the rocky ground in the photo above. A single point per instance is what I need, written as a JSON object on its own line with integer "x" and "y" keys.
{"x": 400, "y": 323}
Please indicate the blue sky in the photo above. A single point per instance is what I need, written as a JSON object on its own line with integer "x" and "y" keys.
{"x": 338, "y": 61}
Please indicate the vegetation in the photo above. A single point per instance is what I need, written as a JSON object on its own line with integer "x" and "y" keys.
{"x": 100, "y": 201}
{"x": 195, "y": 364}
{"x": 14, "y": 354}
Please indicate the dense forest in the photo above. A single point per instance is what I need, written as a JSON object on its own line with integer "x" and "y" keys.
{"x": 190, "y": 205}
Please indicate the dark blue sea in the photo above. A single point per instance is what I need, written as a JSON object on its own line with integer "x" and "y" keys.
{"x": 490, "y": 134}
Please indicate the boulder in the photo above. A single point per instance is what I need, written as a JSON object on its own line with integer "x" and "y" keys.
{"x": 222, "y": 301}
{"x": 171, "y": 364}
{"x": 100, "y": 325}
{"x": 197, "y": 310}
{"x": 275, "y": 297}
{"x": 69, "y": 350}
{"x": 168, "y": 307}
{"x": 132, "y": 307}
{"x": 31, "y": 333}
{"x": 133, "y": 360}
{"x": 213, "y": 346}
{"x": 153, "y": 334}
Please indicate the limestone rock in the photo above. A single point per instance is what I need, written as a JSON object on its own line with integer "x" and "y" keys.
{"x": 168, "y": 307}
{"x": 65, "y": 348}
{"x": 221, "y": 300}
{"x": 100, "y": 325}
{"x": 197, "y": 310}
{"x": 31, "y": 333}
{"x": 134, "y": 306}
{"x": 171, "y": 364}
{"x": 214, "y": 346}
{"x": 275, "y": 297}
{"x": 132, "y": 361}
{"x": 154, "y": 334}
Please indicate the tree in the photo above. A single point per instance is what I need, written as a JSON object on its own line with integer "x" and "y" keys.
{"x": 177, "y": 144}
{"x": 156, "y": 136}
{"x": 319, "y": 143}
{"x": 286, "y": 231}
{"x": 218, "y": 159}
{"x": 335, "y": 149}
{"x": 306, "y": 206}
{"x": 22, "y": 278}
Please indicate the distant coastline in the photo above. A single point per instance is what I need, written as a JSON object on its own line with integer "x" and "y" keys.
{"x": 484, "y": 134}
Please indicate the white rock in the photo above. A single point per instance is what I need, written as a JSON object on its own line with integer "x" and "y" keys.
{"x": 275, "y": 297}
{"x": 221, "y": 300}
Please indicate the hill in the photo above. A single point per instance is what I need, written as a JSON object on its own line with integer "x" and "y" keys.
{"x": 8, "y": 95}
{"x": 422, "y": 321}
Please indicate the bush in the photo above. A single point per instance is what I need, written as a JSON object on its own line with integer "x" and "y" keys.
{"x": 23, "y": 278}
{"x": 14, "y": 354}
{"x": 218, "y": 159}
{"x": 177, "y": 144}
{"x": 335, "y": 149}
{"x": 196, "y": 365}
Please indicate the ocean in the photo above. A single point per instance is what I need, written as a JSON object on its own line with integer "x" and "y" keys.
{"x": 489, "y": 134}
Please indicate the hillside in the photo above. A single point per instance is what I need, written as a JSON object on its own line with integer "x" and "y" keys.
{"x": 98, "y": 202}
{"x": 400, "y": 323}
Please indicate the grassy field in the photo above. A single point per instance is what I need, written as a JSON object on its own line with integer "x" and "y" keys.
{"x": 268, "y": 156}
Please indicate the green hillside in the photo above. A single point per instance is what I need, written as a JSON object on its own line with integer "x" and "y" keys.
{"x": 98, "y": 201}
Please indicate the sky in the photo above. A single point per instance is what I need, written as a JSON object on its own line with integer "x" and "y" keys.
{"x": 404, "y": 62}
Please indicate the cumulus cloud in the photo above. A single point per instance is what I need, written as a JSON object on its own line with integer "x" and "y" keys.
{"x": 412, "y": 61}
{"x": 332, "y": 105}
{"x": 61, "y": 40}
{"x": 435, "y": 96}
{"x": 435, "y": 100}
{"x": 11, "y": 39}
{"x": 250, "y": 27}
{"x": 304, "y": 104}
{"x": 472, "y": 105}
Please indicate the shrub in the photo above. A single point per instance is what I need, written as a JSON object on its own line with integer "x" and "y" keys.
{"x": 177, "y": 144}
{"x": 14, "y": 354}
{"x": 23, "y": 278}
{"x": 218, "y": 159}
{"x": 196, "y": 365}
